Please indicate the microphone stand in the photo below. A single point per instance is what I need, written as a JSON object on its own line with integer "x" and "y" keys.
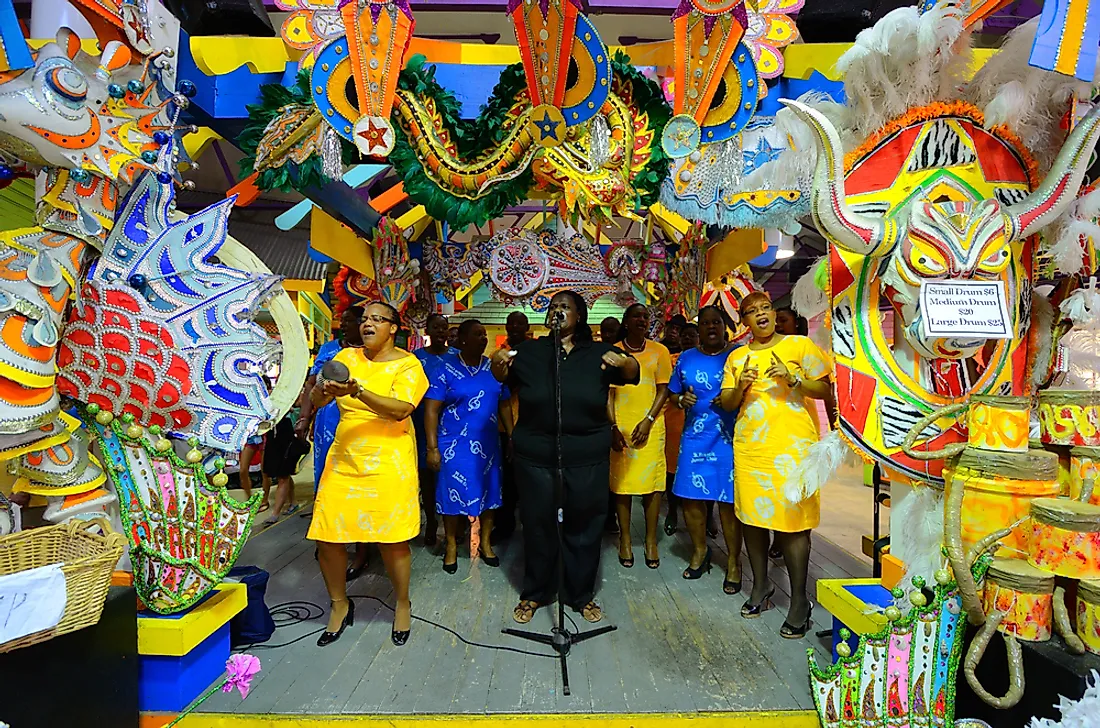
{"x": 560, "y": 638}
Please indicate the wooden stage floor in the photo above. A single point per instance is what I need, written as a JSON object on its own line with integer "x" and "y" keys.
{"x": 681, "y": 646}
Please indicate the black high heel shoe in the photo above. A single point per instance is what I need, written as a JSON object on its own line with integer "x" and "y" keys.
{"x": 752, "y": 611}
{"x": 327, "y": 638}
{"x": 493, "y": 561}
{"x": 731, "y": 587}
{"x": 704, "y": 568}
{"x": 354, "y": 572}
{"x": 451, "y": 568}
{"x": 790, "y": 632}
{"x": 652, "y": 563}
{"x": 399, "y": 638}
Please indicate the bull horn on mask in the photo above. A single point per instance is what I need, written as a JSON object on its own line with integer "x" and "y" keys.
{"x": 1061, "y": 184}
{"x": 852, "y": 231}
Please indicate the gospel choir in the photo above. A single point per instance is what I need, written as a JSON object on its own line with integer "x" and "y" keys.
{"x": 472, "y": 437}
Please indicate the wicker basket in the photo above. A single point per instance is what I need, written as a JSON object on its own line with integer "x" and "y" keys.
{"x": 86, "y": 559}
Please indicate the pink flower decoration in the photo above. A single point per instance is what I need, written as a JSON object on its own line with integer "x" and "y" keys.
{"x": 241, "y": 669}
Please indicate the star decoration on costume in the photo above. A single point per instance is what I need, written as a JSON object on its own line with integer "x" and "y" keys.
{"x": 373, "y": 136}
{"x": 681, "y": 136}
{"x": 547, "y": 124}
{"x": 756, "y": 158}
{"x": 548, "y": 128}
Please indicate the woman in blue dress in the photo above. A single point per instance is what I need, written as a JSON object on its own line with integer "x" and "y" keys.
{"x": 430, "y": 356}
{"x": 463, "y": 404}
{"x": 704, "y": 469}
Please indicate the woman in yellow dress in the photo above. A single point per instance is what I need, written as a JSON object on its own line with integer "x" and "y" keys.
{"x": 638, "y": 435}
{"x": 769, "y": 382}
{"x": 369, "y": 489}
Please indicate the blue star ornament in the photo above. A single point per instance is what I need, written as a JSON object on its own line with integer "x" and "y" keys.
{"x": 547, "y": 122}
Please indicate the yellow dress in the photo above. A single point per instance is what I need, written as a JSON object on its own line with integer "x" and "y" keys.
{"x": 641, "y": 471}
{"x": 774, "y": 430}
{"x": 369, "y": 492}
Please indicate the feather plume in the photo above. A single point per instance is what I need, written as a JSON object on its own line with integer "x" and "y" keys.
{"x": 1082, "y": 307}
{"x": 1065, "y": 250}
{"x": 1076, "y": 713}
{"x": 821, "y": 463}
{"x": 916, "y": 534}
{"x": 1029, "y": 101}
{"x": 905, "y": 60}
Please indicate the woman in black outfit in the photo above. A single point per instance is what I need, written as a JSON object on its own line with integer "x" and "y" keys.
{"x": 588, "y": 370}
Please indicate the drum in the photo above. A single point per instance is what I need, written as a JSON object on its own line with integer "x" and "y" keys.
{"x": 998, "y": 423}
{"x": 998, "y": 491}
{"x": 1065, "y": 537}
{"x": 1088, "y": 615}
{"x": 1084, "y": 468}
{"x": 1026, "y": 596}
{"x": 1069, "y": 417}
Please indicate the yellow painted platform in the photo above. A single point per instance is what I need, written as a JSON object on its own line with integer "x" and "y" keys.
{"x": 840, "y": 603}
{"x": 177, "y": 637}
{"x": 761, "y": 719}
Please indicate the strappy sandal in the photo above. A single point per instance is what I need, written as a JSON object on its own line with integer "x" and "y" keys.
{"x": 591, "y": 612}
{"x": 525, "y": 611}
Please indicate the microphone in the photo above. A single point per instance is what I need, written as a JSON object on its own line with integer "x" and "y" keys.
{"x": 557, "y": 319}
{"x": 333, "y": 371}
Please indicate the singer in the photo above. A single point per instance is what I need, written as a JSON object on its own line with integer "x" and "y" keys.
{"x": 369, "y": 490}
{"x": 588, "y": 370}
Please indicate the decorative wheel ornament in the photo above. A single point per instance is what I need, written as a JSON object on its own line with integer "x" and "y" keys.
{"x": 547, "y": 125}
{"x": 681, "y": 136}
{"x": 373, "y": 136}
{"x": 519, "y": 267}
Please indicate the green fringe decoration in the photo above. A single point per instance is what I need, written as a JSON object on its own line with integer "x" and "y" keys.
{"x": 470, "y": 136}
{"x": 289, "y": 176}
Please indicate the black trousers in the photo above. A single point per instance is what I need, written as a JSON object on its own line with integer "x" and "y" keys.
{"x": 505, "y": 520}
{"x": 586, "y": 489}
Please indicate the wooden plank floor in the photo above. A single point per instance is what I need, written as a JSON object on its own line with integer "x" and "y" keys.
{"x": 681, "y": 646}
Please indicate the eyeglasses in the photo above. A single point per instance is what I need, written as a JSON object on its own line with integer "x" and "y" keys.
{"x": 376, "y": 319}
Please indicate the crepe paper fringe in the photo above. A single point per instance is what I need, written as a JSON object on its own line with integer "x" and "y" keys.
{"x": 1075, "y": 713}
{"x": 741, "y": 215}
{"x": 289, "y": 176}
{"x": 1030, "y": 101}
{"x": 821, "y": 462}
{"x": 648, "y": 99}
{"x": 916, "y": 536}
{"x": 807, "y": 297}
{"x": 471, "y": 137}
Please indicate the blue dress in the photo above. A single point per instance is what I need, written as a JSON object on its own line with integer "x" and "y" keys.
{"x": 326, "y": 418}
{"x": 704, "y": 469}
{"x": 431, "y": 363}
{"x": 469, "y": 475}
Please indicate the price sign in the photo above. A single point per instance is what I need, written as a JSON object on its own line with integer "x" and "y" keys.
{"x": 965, "y": 309}
{"x": 31, "y": 601}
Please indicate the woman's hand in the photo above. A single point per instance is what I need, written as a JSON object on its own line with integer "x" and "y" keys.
{"x": 613, "y": 359}
{"x": 435, "y": 460}
{"x": 640, "y": 436}
{"x": 688, "y": 399}
{"x": 338, "y": 389}
{"x": 747, "y": 377}
{"x": 779, "y": 370}
{"x": 302, "y": 428}
{"x": 618, "y": 441}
